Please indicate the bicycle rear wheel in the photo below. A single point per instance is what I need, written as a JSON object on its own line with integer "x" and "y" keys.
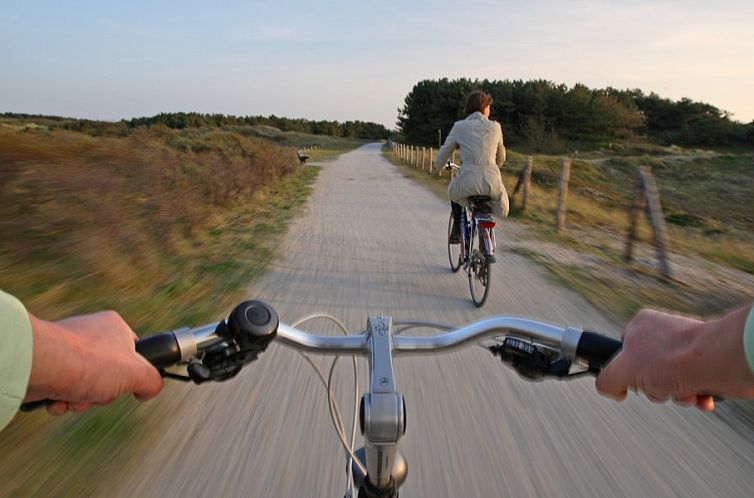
{"x": 454, "y": 250}
{"x": 479, "y": 269}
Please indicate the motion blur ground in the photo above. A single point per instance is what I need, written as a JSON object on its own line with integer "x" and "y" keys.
{"x": 372, "y": 242}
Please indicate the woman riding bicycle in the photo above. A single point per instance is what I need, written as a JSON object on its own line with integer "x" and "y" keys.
{"x": 482, "y": 154}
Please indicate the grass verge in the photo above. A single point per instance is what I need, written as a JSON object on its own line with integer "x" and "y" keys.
{"x": 709, "y": 271}
{"x": 185, "y": 272}
{"x": 70, "y": 456}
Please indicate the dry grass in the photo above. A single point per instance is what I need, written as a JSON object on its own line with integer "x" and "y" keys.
{"x": 708, "y": 256}
{"x": 706, "y": 197}
{"x": 80, "y": 212}
{"x": 167, "y": 227}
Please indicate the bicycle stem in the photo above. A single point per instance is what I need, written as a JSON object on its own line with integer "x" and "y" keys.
{"x": 383, "y": 414}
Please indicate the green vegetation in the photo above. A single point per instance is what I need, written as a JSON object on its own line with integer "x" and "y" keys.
{"x": 543, "y": 115}
{"x": 706, "y": 200}
{"x": 184, "y": 120}
{"x": 166, "y": 226}
{"x": 706, "y": 197}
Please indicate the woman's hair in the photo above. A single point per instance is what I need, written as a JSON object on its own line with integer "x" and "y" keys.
{"x": 477, "y": 101}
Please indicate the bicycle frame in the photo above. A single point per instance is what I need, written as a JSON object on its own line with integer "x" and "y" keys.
{"x": 470, "y": 224}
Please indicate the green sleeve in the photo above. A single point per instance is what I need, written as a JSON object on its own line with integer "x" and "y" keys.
{"x": 15, "y": 356}
{"x": 749, "y": 339}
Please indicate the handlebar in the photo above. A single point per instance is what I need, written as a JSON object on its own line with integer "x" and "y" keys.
{"x": 185, "y": 346}
{"x": 218, "y": 351}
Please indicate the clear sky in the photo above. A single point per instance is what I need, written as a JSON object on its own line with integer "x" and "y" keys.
{"x": 348, "y": 60}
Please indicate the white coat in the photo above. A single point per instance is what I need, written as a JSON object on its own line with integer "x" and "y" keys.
{"x": 482, "y": 154}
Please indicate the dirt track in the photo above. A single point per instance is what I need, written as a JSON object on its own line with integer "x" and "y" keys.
{"x": 373, "y": 242}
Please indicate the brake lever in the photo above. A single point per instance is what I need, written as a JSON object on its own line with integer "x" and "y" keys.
{"x": 529, "y": 361}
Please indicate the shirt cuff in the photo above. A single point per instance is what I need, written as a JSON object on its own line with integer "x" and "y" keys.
{"x": 749, "y": 339}
{"x": 15, "y": 356}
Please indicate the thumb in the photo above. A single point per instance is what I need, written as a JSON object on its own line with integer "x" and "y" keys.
{"x": 612, "y": 381}
{"x": 147, "y": 382}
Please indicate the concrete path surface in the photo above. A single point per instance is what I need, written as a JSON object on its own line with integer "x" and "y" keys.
{"x": 374, "y": 242}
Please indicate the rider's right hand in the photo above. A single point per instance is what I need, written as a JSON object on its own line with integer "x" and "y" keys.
{"x": 672, "y": 357}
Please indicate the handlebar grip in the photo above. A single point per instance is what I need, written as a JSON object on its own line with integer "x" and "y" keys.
{"x": 597, "y": 349}
{"x": 161, "y": 350}
{"x": 34, "y": 405}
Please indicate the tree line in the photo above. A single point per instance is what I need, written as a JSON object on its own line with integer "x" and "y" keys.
{"x": 349, "y": 129}
{"x": 541, "y": 113}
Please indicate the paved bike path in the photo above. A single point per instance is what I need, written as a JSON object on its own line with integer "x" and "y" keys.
{"x": 373, "y": 242}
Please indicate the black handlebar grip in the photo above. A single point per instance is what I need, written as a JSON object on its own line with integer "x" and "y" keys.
{"x": 597, "y": 349}
{"x": 161, "y": 350}
{"x": 33, "y": 405}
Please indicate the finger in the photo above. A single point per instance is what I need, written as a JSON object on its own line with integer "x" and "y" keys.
{"x": 149, "y": 383}
{"x": 57, "y": 408}
{"x": 79, "y": 407}
{"x": 656, "y": 398}
{"x": 705, "y": 403}
{"x": 104, "y": 403}
{"x": 617, "y": 395}
{"x": 685, "y": 400}
{"x": 611, "y": 382}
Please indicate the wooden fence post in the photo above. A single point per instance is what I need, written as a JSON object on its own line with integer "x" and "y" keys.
{"x": 647, "y": 198}
{"x": 526, "y": 182}
{"x": 657, "y": 219}
{"x": 423, "y": 157}
{"x": 638, "y": 205}
{"x": 565, "y": 176}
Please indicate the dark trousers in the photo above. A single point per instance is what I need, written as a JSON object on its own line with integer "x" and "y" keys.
{"x": 456, "y": 210}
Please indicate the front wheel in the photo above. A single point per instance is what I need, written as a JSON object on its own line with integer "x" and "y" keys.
{"x": 479, "y": 270}
{"x": 454, "y": 250}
